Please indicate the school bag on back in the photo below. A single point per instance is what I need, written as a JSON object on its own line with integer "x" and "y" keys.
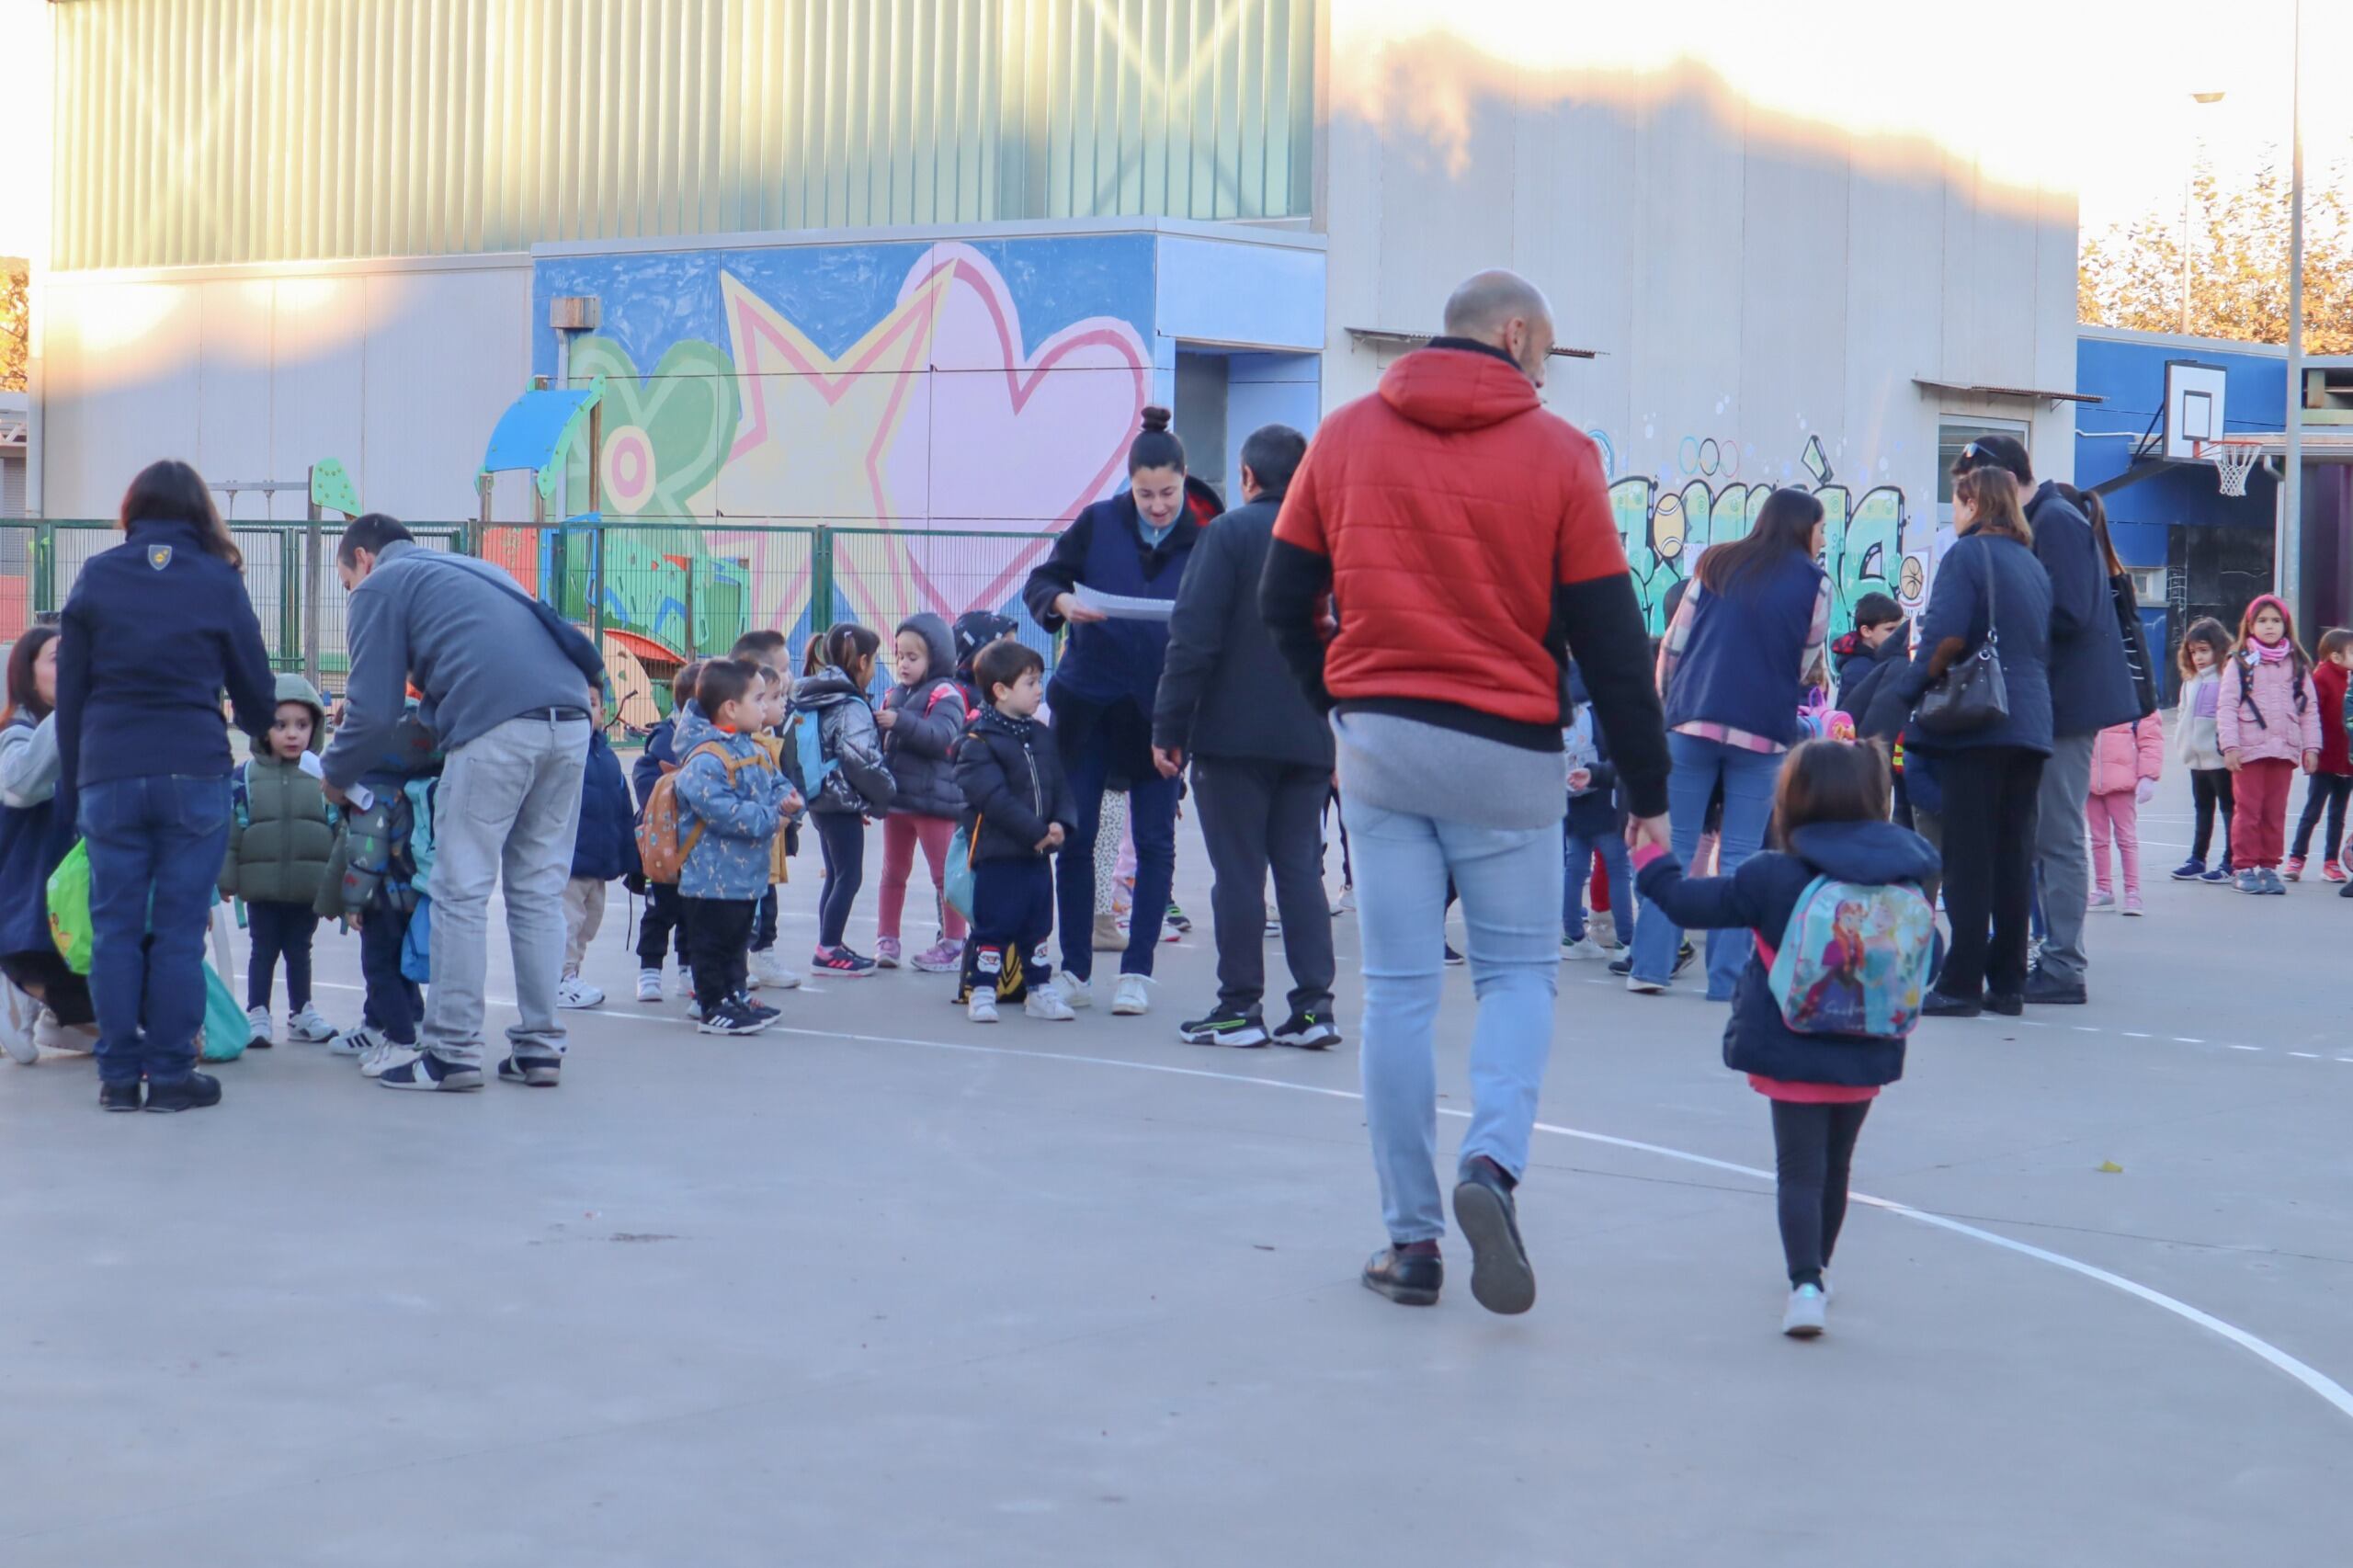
{"x": 660, "y": 845}
{"x": 1854, "y": 959}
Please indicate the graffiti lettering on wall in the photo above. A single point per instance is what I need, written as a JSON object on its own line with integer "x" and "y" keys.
{"x": 1664, "y": 529}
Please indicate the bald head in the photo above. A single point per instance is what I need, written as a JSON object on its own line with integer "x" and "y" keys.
{"x": 1505, "y": 310}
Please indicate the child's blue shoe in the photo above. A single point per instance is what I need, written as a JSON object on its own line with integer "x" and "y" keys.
{"x": 2190, "y": 871}
{"x": 2217, "y": 876}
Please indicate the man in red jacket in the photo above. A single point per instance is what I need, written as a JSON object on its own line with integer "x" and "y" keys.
{"x": 1461, "y": 537}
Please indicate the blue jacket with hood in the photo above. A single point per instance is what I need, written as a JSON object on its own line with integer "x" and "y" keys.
{"x": 606, "y": 848}
{"x": 919, "y": 746}
{"x": 738, "y": 817}
{"x": 1762, "y": 895}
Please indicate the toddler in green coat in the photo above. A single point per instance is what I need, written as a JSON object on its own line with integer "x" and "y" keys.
{"x": 280, "y": 837}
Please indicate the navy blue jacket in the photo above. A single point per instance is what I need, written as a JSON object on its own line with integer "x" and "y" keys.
{"x": 2091, "y": 680}
{"x": 606, "y": 848}
{"x": 1597, "y": 811}
{"x": 1858, "y": 668}
{"x": 659, "y": 751}
{"x": 155, "y": 631}
{"x": 1762, "y": 895}
{"x": 1104, "y": 547}
{"x": 1957, "y": 608}
{"x": 1740, "y": 663}
{"x": 1012, "y": 781}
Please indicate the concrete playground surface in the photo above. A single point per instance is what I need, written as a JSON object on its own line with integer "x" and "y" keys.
{"x": 882, "y": 1287}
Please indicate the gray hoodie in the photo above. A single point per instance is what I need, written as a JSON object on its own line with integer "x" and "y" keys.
{"x": 921, "y": 743}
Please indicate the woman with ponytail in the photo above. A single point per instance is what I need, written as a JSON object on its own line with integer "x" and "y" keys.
{"x": 1132, "y": 546}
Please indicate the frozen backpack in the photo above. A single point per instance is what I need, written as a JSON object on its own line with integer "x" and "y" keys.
{"x": 1854, "y": 959}
{"x": 1821, "y": 721}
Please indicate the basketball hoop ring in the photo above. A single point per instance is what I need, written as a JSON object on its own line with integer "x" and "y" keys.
{"x": 2233, "y": 460}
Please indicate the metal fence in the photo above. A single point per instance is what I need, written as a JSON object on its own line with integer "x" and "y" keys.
{"x": 653, "y": 594}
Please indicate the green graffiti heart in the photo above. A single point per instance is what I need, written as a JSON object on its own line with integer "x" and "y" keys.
{"x": 687, "y": 410}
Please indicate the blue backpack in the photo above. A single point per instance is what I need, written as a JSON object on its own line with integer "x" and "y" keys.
{"x": 1854, "y": 959}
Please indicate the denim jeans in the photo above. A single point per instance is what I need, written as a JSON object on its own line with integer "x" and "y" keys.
{"x": 1578, "y": 851}
{"x": 508, "y": 808}
{"x": 155, "y": 846}
{"x": 1509, "y": 880}
{"x": 1748, "y": 777}
{"x": 1152, "y": 808}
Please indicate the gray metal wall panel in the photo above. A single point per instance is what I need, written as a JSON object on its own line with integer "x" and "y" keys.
{"x": 205, "y": 131}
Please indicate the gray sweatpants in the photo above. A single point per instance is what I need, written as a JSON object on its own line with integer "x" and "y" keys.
{"x": 1257, "y": 816}
{"x": 2062, "y": 855}
{"x": 507, "y": 809}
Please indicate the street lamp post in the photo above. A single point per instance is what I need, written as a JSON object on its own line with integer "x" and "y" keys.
{"x": 2292, "y": 487}
{"x": 2188, "y": 178}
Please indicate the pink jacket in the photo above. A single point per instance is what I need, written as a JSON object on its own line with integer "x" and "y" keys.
{"x": 2283, "y": 733}
{"x": 2125, "y": 754}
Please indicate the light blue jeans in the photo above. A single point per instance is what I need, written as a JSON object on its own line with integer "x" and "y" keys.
{"x": 1578, "y": 851}
{"x": 1748, "y": 778}
{"x": 1509, "y": 880}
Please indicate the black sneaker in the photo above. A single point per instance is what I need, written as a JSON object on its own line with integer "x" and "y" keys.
{"x": 1178, "y": 920}
{"x": 757, "y": 1009}
{"x": 118, "y": 1097}
{"x": 730, "y": 1018}
{"x": 1308, "y": 1031}
{"x": 1224, "y": 1026}
{"x": 1410, "y": 1279}
{"x": 1501, "y": 1279}
{"x": 537, "y": 1072}
{"x": 192, "y": 1093}
{"x": 1453, "y": 958}
{"x": 1938, "y": 1005}
{"x": 1622, "y": 965}
{"x": 2008, "y": 1005}
{"x": 2048, "y": 990}
{"x": 1684, "y": 955}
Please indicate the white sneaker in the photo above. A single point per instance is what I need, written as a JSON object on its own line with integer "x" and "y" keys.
{"x": 356, "y": 1043}
{"x": 685, "y": 980}
{"x": 648, "y": 985}
{"x": 1347, "y": 902}
{"x": 769, "y": 968}
{"x": 982, "y": 1008}
{"x": 1584, "y": 946}
{"x": 694, "y": 1009}
{"x": 19, "y": 1025}
{"x": 50, "y": 1035}
{"x": 258, "y": 1019}
{"x": 1804, "y": 1319}
{"x": 573, "y": 991}
{"x": 383, "y": 1056}
{"x": 307, "y": 1027}
{"x": 1045, "y": 1002}
{"x": 1076, "y": 993}
{"x": 1133, "y": 997}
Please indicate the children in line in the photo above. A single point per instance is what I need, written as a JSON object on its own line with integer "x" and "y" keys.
{"x": 2205, "y": 648}
{"x": 603, "y": 851}
{"x": 2127, "y": 760}
{"x": 842, "y": 759}
{"x": 765, "y": 649}
{"x": 281, "y": 835}
{"x": 2332, "y": 784}
{"x": 2267, "y": 719}
{"x": 922, "y": 718}
{"x": 730, "y": 806}
{"x": 661, "y": 929}
{"x": 1830, "y": 821}
{"x": 382, "y": 852}
{"x": 1009, "y": 769}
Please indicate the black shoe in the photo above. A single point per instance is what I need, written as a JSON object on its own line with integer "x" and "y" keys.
{"x": 1622, "y": 965}
{"x": 2045, "y": 988}
{"x": 537, "y": 1072}
{"x": 743, "y": 999}
{"x": 1938, "y": 1005}
{"x": 192, "y": 1093}
{"x": 1308, "y": 1031}
{"x": 1410, "y": 1279}
{"x": 2008, "y": 1005}
{"x": 1224, "y": 1026}
{"x": 1453, "y": 958}
{"x": 728, "y": 1017}
{"x": 118, "y": 1097}
{"x": 2346, "y": 891}
{"x": 1501, "y": 1279}
{"x": 1683, "y": 957}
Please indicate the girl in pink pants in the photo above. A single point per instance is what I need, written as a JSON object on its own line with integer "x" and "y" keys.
{"x": 2126, "y": 761}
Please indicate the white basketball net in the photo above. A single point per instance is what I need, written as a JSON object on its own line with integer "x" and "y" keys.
{"x": 2233, "y": 460}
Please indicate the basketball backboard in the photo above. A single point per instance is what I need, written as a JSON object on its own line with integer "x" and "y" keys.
{"x": 2193, "y": 411}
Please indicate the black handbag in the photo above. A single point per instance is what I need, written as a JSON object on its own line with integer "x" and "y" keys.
{"x": 1973, "y": 694}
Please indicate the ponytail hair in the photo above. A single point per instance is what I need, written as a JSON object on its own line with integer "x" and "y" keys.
{"x": 1156, "y": 445}
{"x": 847, "y": 643}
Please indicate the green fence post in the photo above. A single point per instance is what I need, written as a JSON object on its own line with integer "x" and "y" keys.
{"x": 597, "y": 584}
{"x": 45, "y": 568}
{"x": 290, "y": 602}
{"x": 821, "y": 579}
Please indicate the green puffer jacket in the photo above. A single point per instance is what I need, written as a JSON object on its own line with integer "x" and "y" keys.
{"x": 283, "y": 830}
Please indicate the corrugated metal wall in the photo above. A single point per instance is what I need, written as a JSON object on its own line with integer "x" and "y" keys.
{"x": 230, "y": 131}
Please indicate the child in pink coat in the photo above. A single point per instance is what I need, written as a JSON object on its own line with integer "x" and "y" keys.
{"x": 2126, "y": 760}
{"x": 2268, "y": 719}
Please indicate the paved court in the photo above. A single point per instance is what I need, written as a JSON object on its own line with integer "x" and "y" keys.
{"x": 883, "y": 1287}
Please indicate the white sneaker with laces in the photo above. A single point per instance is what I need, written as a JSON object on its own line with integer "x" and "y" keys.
{"x": 19, "y": 1025}
{"x": 685, "y": 980}
{"x": 384, "y": 1056}
{"x": 1076, "y": 993}
{"x": 1584, "y": 946}
{"x": 356, "y": 1043}
{"x": 648, "y": 985}
{"x": 1804, "y": 1319}
{"x": 769, "y": 969}
{"x": 307, "y": 1027}
{"x": 1134, "y": 998}
{"x": 258, "y": 1017}
{"x": 981, "y": 1008}
{"x": 573, "y": 991}
{"x": 1045, "y": 1002}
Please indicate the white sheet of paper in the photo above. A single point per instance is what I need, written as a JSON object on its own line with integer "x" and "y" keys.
{"x": 1119, "y": 607}
{"x": 309, "y": 763}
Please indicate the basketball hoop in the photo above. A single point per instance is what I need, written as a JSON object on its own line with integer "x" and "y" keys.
{"x": 2233, "y": 460}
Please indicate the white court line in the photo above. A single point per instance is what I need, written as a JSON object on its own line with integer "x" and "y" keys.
{"x": 2307, "y": 1055}
{"x": 2246, "y": 1047}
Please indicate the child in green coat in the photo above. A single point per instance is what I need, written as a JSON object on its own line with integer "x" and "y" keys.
{"x": 280, "y": 839}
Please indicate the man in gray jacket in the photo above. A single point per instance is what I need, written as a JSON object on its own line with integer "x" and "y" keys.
{"x": 508, "y": 686}
{"x": 1262, "y": 765}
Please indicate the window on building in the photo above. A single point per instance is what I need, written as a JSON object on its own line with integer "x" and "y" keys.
{"x": 1954, "y": 433}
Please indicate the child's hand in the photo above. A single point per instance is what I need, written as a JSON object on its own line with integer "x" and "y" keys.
{"x": 1053, "y": 839}
{"x": 887, "y": 719}
{"x": 357, "y": 918}
{"x": 2145, "y": 791}
{"x": 2231, "y": 759}
{"x": 1580, "y": 780}
{"x": 2311, "y": 761}
{"x": 793, "y": 803}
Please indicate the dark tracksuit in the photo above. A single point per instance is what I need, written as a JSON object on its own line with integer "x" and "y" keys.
{"x": 1010, "y": 771}
{"x": 662, "y": 927}
{"x": 1262, "y": 763}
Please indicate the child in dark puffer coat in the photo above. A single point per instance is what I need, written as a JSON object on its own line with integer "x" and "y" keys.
{"x": 663, "y": 927}
{"x": 603, "y": 851}
{"x": 921, "y": 719}
{"x": 281, "y": 835}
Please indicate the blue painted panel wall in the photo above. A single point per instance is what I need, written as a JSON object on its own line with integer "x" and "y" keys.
{"x": 1269, "y": 389}
{"x": 2131, "y": 377}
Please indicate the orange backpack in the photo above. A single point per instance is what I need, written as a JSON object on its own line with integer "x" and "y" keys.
{"x": 659, "y": 846}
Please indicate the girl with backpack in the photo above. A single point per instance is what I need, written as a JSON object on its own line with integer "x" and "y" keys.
{"x": 1844, "y": 939}
{"x": 2267, "y": 719}
{"x": 922, "y": 719}
{"x": 841, "y": 757}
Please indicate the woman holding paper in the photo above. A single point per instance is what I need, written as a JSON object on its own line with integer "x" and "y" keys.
{"x": 1111, "y": 579}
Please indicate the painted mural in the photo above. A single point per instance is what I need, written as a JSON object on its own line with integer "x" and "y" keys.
{"x": 935, "y": 407}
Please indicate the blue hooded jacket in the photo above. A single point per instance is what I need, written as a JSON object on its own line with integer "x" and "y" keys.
{"x": 738, "y": 818}
{"x": 606, "y": 846}
{"x": 1762, "y": 895}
